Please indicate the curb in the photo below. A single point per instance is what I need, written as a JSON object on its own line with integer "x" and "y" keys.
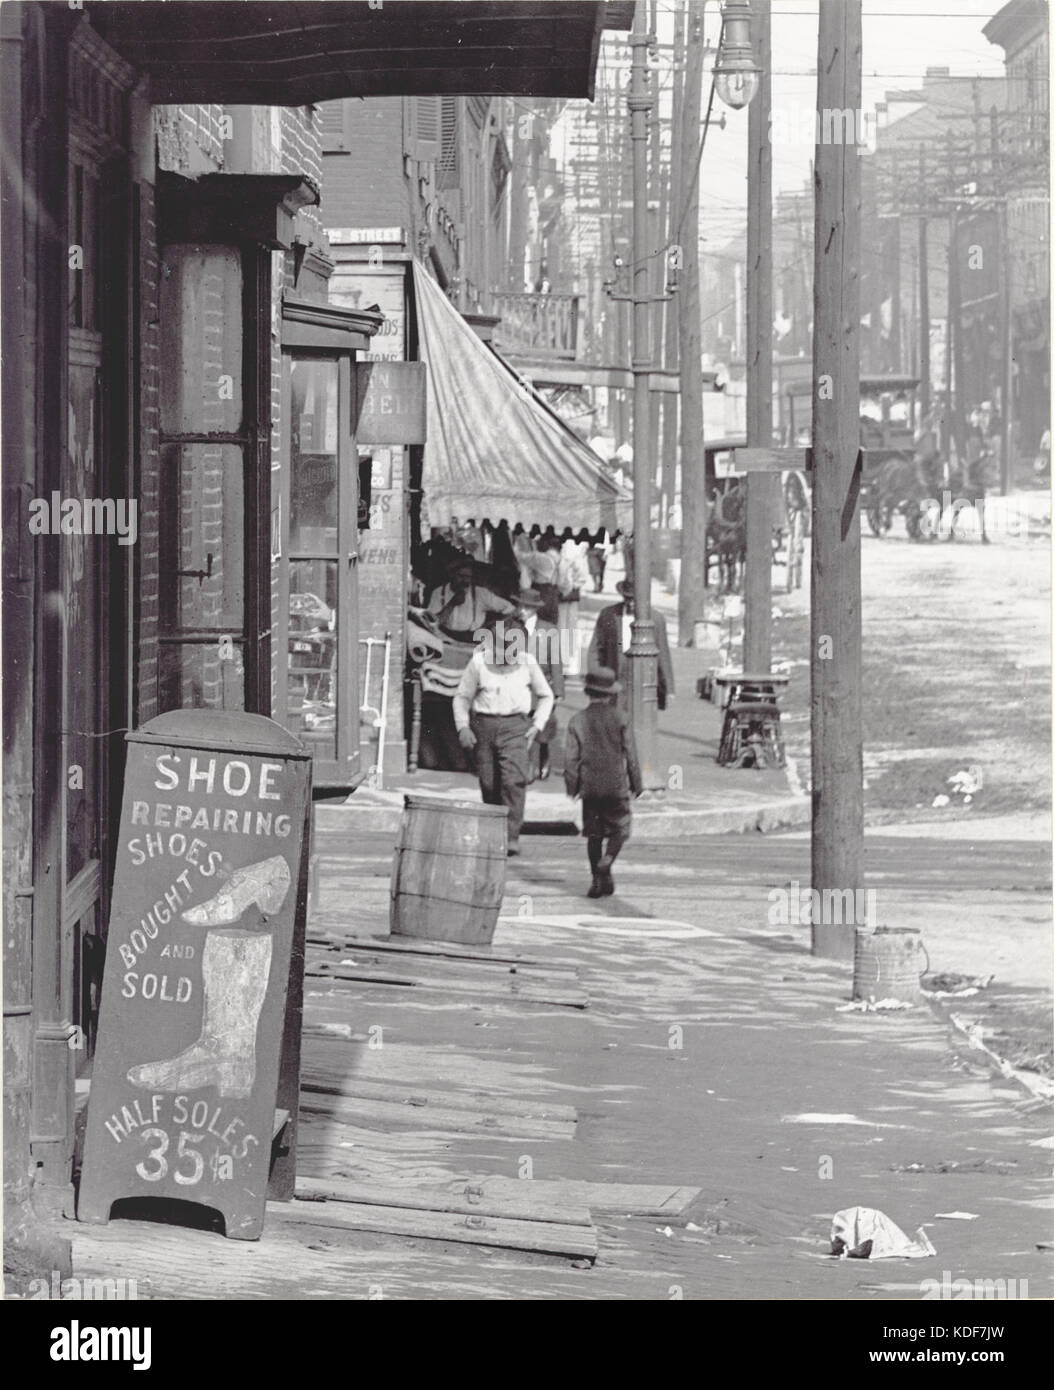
{"x": 647, "y": 824}
{"x": 967, "y": 1036}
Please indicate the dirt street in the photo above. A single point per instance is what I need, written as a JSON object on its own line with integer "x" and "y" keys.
{"x": 956, "y": 672}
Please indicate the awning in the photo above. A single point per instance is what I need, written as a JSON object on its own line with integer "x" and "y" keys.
{"x": 288, "y": 54}
{"x": 495, "y": 450}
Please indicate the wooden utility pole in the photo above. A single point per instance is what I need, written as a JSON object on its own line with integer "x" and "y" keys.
{"x": 895, "y": 288}
{"x": 643, "y": 654}
{"x": 658, "y": 193}
{"x": 957, "y": 366}
{"x": 670, "y": 405}
{"x": 1006, "y": 325}
{"x": 762, "y": 488}
{"x": 837, "y": 738}
{"x": 924, "y": 293}
{"x": 691, "y": 595}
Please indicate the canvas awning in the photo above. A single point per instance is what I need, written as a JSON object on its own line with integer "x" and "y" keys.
{"x": 495, "y": 450}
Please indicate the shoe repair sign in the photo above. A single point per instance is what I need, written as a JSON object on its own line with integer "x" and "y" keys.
{"x": 198, "y": 950}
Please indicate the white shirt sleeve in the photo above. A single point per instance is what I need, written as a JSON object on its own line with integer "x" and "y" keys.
{"x": 543, "y": 690}
{"x": 466, "y": 693}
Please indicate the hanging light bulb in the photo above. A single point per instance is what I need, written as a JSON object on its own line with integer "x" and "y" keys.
{"x": 735, "y": 72}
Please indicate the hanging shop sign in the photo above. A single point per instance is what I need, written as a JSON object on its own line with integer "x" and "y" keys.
{"x": 389, "y": 402}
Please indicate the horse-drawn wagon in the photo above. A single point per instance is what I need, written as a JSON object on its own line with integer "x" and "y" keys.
{"x": 903, "y": 466}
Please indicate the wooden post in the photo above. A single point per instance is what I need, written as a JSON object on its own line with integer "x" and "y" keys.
{"x": 643, "y": 655}
{"x": 924, "y": 295}
{"x": 658, "y": 193}
{"x": 762, "y": 488}
{"x": 691, "y": 595}
{"x": 671, "y": 403}
{"x": 837, "y": 744}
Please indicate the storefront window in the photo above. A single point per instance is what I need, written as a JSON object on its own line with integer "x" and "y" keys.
{"x": 312, "y": 676}
{"x": 313, "y": 494}
{"x": 316, "y": 689}
{"x": 202, "y": 537}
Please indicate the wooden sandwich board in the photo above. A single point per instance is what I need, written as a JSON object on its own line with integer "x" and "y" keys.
{"x": 199, "y": 1026}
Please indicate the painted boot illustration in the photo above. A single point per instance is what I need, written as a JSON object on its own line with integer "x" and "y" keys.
{"x": 235, "y": 968}
{"x": 265, "y": 884}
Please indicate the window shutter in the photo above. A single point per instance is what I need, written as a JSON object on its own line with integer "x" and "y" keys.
{"x": 447, "y": 170}
{"x": 332, "y": 126}
{"x": 426, "y": 128}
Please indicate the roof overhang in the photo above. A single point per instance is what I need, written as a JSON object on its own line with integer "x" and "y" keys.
{"x": 1016, "y": 24}
{"x": 305, "y": 51}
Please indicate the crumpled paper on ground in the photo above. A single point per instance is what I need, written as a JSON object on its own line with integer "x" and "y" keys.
{"x": 862, "y": 1233}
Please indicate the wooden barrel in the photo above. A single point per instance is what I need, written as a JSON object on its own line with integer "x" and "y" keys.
{"x": 448, "y": 877}
{"x": 889, "y": 964}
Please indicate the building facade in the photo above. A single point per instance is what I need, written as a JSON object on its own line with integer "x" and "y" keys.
{"x": 180, "y": 496}
{"x": 1022, "y": 30}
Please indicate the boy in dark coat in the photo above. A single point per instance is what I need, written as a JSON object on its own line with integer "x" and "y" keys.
{"x": 601, "y": 766}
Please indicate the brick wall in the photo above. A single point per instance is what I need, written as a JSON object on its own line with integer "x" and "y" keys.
{"x": 189, "y": 138}
{"x": 364, "y": 185}
{"x": 149, "y": 460}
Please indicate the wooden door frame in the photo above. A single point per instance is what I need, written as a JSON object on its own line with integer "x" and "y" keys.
{"x": 104, "y": 82}
{"x": 345, "y": 767}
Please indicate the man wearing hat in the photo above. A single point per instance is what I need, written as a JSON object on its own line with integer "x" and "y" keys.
{"x": 461, "y": 607}
{"x": 492, "y": 714}
{"x": 601, "y": 766}
{"x": 611, "y": 641}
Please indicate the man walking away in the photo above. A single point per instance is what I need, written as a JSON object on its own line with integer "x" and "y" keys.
{"x": 601, "y": 766}
{"x": 492, "y": 714}
{"x": 611, "y": 641}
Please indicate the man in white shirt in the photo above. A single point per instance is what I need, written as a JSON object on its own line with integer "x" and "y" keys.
{"x": 492, "y": 714}
{"x": 461, "y": 606}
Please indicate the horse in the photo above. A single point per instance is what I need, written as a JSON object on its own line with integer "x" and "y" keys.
{"x": 726, "y": 535}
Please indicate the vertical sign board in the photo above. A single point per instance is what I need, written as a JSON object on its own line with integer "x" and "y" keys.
{"x": 208, "y": 907}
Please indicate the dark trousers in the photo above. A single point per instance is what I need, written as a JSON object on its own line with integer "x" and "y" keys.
{"x": 501, "y": 763}
{"x": 605, "y": 818}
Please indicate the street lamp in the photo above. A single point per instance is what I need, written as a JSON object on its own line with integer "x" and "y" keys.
{"x": 735, "y": 72}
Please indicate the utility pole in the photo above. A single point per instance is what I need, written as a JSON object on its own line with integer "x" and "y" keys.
{"x": 953, "y": 369}
{"x": 671, "y": 404}
{"x": 643, "y": 653}
{"x": 691, "y": 592}
{"x": 658, "y": 192}
{"x": 924, "y": 293}
{"x": 762, "y": 488}
{"x": 895, "y": 307}
{"x": 837, "y": 738}
{"x": 1006, "y": 430}
{"x": 1006, "y": 326}
{"x": 955, "y": 334}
